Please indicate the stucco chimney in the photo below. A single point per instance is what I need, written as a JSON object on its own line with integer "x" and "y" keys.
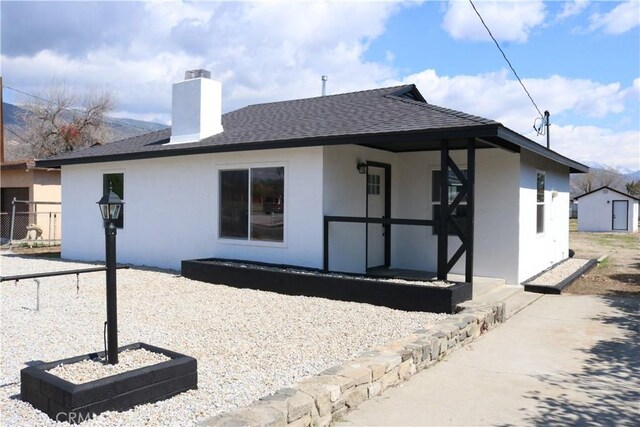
{"x": 196, "y": 108}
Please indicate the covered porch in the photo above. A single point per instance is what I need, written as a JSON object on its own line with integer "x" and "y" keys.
{"x": 442, "y": 202}
{"x": 379, "y": 215}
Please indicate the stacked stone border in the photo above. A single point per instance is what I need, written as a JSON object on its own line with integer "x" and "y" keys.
{"x": 319, "y": 400}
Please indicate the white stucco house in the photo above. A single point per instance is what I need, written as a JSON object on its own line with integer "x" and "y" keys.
{"x": 348, "y": 182}
{"x": 607, "y": 209}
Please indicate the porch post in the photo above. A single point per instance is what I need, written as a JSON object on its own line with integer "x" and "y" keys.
{"x": 471, "y": 172}
{"x": 443, "y": 219}
{"x": 325, "y": 249}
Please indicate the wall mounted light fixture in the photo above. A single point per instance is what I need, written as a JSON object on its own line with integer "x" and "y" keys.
{"x": 362, "y": 167}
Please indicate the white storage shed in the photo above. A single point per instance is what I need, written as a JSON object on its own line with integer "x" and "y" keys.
{"x": 607, "y": 209}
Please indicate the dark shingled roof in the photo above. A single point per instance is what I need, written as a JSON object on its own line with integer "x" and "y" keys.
{"x": 392, "y": 118}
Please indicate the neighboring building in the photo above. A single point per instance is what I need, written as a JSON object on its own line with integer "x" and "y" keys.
{"x": 274, "y": 182}
{"x": 607, "y": 209}
{"x": 22, "y": 180}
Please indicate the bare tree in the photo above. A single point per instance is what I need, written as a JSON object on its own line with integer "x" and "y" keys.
{"x": 633, "y": 188}
{"x": 597, "y": 178}
{"x": 59, "y": 121}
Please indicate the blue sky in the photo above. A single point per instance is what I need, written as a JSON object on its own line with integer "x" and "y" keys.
{"x": 579, "y": 59}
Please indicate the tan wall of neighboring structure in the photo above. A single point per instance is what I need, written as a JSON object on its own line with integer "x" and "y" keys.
{"x": 17, "y": 178}
{"x": 44, "y": 186}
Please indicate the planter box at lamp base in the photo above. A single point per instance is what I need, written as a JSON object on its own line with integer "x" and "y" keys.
{"x": 65, "y": 401}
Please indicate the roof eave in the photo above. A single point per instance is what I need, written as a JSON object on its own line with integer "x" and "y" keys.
{"x": 532, "y": 146}
{"x": 358, "y": 139}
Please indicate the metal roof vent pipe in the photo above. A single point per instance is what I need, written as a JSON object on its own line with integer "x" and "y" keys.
{"x": 196, "y": 107}
{"x": 324, "y": 85}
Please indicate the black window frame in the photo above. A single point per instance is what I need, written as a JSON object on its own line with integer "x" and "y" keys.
{"x": 271, "y": 205}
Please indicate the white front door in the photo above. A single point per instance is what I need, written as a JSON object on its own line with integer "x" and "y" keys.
{"x": 376, "y": 209}
{"x": 620, "y": 208}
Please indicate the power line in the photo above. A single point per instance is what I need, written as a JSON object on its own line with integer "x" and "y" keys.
{"x": 505, "y": 58}
{"x": 106, "y": 119}
{"x": 15, "y": 134}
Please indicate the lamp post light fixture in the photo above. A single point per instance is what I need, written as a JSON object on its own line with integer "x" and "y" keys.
{"x": 110, "y": 207}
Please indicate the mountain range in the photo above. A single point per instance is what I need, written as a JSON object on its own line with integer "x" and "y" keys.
{"x": 16, "y": 149}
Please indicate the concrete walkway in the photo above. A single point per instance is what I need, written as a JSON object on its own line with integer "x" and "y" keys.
{"x": 564, "y": 360}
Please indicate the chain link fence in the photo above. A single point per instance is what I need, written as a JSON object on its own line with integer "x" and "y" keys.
{"x": 31, "y": 223}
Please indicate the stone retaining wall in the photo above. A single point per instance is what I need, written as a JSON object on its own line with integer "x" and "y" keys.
{"x": 318, "y": 400}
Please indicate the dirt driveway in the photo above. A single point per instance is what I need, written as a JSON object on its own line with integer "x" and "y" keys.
{"x": 619, "y": 274}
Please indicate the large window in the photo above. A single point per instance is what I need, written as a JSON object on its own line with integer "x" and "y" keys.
{"x": 115, "y": 181}
{"x": 540, "y": 183}
{"x": 455, "y": 187}
{"x": 252, "y": 204}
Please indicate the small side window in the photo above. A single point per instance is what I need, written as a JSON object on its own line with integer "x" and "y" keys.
{"x": 540, "y": 196}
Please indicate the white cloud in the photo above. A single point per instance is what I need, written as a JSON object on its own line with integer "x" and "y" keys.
{"x": 496, "y": 96}
{"x": 572, "y": 8}
{"x": 260, "y": 51}
{"x": 508, "y": 21}
{"x": 595, "y": 144}
{"x": 500, "y": 97}
{"x": 619, "y": 20}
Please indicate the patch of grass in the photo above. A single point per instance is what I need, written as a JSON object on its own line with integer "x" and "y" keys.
{"x": 605, "y": 263}
{"x": 614, "y": 240}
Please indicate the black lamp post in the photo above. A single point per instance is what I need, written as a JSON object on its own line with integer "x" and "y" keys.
{"x": 110, "y": 207}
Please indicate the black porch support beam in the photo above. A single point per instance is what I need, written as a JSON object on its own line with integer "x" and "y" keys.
{"x": 456, "y": 256}
{"x": 456, "y": 170}
{"x": 325, "y": 232}
{"x": 443, "y": 221}
{"x": 471, "y": 183}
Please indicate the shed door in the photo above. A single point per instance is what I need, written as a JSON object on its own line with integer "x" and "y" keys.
{"x": 620, "y": 209}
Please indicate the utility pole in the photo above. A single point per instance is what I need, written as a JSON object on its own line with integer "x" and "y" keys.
{"x": 547, "y": 124}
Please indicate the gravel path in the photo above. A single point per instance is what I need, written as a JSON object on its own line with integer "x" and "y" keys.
{"x": 248, "y": 343}
{"x": 560, "y": 272}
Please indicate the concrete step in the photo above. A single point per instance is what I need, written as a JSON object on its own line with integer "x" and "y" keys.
{"x": 500, "y": 293}
{"x": 514, "y": 297}
{"x": 481, "y": 285}
{"x": 485, "y": 285}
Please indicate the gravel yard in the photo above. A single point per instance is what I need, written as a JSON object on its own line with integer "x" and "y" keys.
{"x": 248, "y": 343}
